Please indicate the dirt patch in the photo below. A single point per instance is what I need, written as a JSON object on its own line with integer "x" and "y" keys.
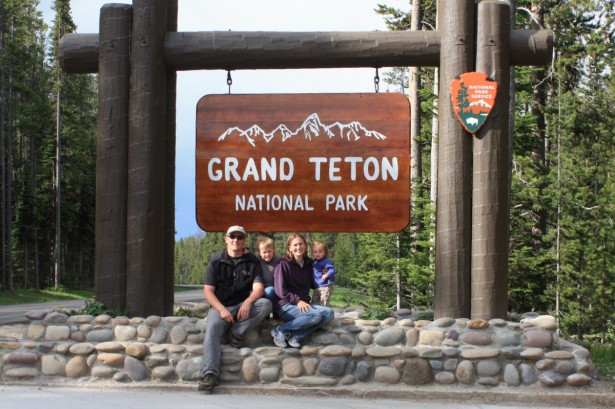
{"x": 601, "y": 386}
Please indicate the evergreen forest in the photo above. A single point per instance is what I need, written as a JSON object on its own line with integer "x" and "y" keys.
{"x": 562, "y": 209}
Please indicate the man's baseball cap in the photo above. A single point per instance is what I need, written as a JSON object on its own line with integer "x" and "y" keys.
{"x": 234, "y": 229}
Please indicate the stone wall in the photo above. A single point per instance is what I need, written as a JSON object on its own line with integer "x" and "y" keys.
{"x": 395, "y": 351}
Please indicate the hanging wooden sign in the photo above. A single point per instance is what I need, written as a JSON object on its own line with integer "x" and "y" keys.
{"x": 303, "y": 162}
{"x": 473, "y": 97}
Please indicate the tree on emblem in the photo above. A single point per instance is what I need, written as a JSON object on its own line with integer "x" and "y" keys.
{"x": 462, "y": 98}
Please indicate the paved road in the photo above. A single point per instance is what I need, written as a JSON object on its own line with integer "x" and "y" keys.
{"x": 15, "y": 314}
{"x": 21, "y": 397}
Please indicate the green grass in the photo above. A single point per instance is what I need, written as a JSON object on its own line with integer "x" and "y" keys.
{"x": 344, "y": 297}
{"x": 20, "y": 296}
{"x": 186, "y": 287}
{"x": 603, "y": 356}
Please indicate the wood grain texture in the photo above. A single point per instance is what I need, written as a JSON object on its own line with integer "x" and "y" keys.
{"x": 279, "y": 50}
{"x": 491, "y": 171}
{"x": 386, "y": 205}
{"x": 454, "y": 196}
{"x": 112, "y": 156}
{"x": 146, "y": 242}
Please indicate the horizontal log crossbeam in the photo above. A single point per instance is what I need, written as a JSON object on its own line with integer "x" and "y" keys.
{"x": 238, "y": 50}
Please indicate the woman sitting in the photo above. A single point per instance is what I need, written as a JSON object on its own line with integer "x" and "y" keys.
{"x": 293, "y": 280}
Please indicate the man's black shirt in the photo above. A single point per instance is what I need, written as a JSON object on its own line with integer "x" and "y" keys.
{"x": 233, "y": 281}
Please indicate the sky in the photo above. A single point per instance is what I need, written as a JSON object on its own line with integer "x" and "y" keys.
{"x": 247, "y": 15}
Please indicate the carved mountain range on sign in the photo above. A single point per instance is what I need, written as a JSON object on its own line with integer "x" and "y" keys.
{"x": 311, "y": 128}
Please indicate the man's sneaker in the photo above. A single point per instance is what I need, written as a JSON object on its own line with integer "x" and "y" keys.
{"x": 294, "y": 343}
{"x": 278, "y": 337}
{"x": 235, "y": 341}
{"x": 208, "y": 381}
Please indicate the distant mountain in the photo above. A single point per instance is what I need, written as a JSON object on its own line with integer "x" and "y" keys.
{"x": 311, "y": 128}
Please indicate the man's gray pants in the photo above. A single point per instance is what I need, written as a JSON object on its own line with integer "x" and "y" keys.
{"x": 217, "y": 327}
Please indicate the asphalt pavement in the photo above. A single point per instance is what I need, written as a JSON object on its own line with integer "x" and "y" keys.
{"x": 23, "y": 397}
{"x": 16, "y": 314}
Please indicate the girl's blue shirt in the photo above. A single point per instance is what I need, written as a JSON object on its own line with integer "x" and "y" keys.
{"x": 321, "y": 267}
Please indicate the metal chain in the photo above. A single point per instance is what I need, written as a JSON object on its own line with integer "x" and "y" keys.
{"x": 229, "y": 80}
{"x": 377, "y": 81}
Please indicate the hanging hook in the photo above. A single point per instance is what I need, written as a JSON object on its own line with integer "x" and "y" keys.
{"x": 229, "y": 80}
{"x": 377, "y": 81}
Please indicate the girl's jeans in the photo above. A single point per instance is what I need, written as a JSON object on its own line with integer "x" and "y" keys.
{"x": 300, "y": 324}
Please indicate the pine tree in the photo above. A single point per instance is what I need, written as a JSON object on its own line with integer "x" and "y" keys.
{"x": 344, "y": 255}
{"x": 581, "y": 124}
{"x": 78, "y": 111}
{"x": 23, "y": 123}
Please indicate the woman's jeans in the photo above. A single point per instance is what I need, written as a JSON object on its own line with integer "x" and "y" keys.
{"x": 300, "y": 324}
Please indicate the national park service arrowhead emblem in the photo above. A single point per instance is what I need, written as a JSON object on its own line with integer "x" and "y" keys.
{"x": 473, "y": 98}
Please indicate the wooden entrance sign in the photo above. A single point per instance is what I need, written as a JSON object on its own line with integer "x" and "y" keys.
{"x": 303, "y": 162}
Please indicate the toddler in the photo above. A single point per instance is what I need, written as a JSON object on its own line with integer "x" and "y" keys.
{"x": 324, "y": 274}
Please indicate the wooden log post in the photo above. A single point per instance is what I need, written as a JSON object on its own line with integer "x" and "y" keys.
{"x": 112, "y": 155}
{"x": 147, "y": 158}
{"x": 491, "y": 181}
{"x": 453, "y": 206}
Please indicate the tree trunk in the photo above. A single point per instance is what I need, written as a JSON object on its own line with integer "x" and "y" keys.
{"x": 33, "y": 168}
{"x": 3, "y": 174}
{"x": 8, "y": 185}
{"x": 37, "y": 273}
{"x": 434, "y": 166}
{"x": 434, "y": 142}
{"x": 540, "y": 154}
{"x": 58, "y": 192}
{"x": 416, "y": 154}
{"x": 416, "y": 163}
